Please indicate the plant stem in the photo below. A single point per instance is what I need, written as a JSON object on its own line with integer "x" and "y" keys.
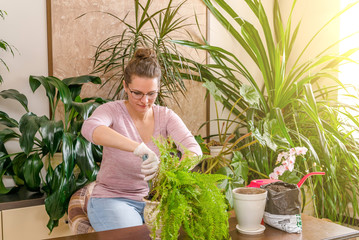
{"x": 311, "y": 188}
{"x": 259, "y": 173}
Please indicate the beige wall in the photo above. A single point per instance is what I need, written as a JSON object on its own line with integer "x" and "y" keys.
{"x": 74, "y": 42}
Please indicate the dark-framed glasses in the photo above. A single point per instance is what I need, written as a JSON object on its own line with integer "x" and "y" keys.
{"x": 139, "y": 95}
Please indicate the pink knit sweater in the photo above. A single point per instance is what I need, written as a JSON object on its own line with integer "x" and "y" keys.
{"x": 120, "y": 171}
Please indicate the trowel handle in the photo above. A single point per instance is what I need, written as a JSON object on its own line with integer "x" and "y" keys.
{"x": 308, "y": 175}
{"x": 144, "y": 157}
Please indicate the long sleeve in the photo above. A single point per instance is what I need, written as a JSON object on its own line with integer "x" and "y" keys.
{"x": 176, "y": 129}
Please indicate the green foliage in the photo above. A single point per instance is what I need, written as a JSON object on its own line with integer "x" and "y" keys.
{"x": 190, "y": 200}
{"x": 41, "y": 137}
{"x": 4, "y": 46}
{"x": 152, "y": 28}
{"x": 228, "y": 134}
{"x": 290, "y": 113}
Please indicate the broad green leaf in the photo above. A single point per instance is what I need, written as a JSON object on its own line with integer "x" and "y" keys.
{"x": 68, "y": 154}
{"x": 7, "y": 134}
{"x": 97, "y": 152}
{"x": 81, "y": 80}
{"x": 5, "y": 163}
{"x": 56, "y": 203}
{"x": 7, "y": 121}
{"x": 75, "y": 83}
{"x": 85, "y": 108}
{"x": 240, "y": 166}
{"x": 63, "y": 91}
{"x": 14, "y": 94}
{"x": 32, "y": 168}
{"x": 250, "y": 95}
{"x": 28, "y": 127}
{"x": 84, "y": 158}
{"x": 53, "y": 178}
{"x": 36, "y": 81}
{"x": 51, "y": 224}
{"x": 51, "y": 133}
{"x": 18, "y": 163}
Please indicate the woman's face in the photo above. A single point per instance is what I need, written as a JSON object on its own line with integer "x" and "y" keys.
{"x": 142, "y": 93}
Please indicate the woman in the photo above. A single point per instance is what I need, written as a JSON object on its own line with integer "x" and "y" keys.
{"x": 125, "y": 129}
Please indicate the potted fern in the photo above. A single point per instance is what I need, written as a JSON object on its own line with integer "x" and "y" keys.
{"x": 185, "y": 199}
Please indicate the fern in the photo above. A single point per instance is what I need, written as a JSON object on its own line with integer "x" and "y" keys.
{"x": 190, "y": 200}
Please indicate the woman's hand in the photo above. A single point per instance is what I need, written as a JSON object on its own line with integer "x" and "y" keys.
{"x": 150, "y": 165}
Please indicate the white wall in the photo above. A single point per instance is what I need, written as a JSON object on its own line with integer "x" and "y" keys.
{"x": 24, "y": 28}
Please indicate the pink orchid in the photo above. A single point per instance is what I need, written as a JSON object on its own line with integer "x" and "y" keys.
{"x": 289, "y": 160}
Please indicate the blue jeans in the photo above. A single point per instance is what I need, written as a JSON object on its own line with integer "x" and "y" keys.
{"x": 112, "y": 213}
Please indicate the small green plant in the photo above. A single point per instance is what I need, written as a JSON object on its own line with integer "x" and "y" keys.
{"x": 228, "y": 135}
{"x": 187, "y": 199}
{"x": 5, "y": 46}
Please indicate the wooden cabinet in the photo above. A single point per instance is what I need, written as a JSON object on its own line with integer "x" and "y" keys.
{"x": 23, "y": 216}
{"x": 30, "y": 223}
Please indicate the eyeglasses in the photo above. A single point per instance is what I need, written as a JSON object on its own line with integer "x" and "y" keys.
{"x": 139, "y": 95}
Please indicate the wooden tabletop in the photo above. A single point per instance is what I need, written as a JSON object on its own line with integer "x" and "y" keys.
{"x": 313, "y": 229}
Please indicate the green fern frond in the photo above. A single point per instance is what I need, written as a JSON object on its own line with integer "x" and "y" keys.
{"x": 187, "y": 199}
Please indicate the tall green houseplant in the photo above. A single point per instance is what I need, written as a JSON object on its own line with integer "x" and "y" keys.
{"x": 40, "y": 137}
{"x": 288, "y": 109}
{"x": 151, "y": 28}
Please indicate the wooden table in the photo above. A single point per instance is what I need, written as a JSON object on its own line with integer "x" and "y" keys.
{"x": 313, "y": 229}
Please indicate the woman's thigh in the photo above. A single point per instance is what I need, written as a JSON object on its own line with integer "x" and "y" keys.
{"x": 112, "y": 213}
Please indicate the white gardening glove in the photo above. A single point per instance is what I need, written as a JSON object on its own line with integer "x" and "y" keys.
{"x": 150, "y": 165}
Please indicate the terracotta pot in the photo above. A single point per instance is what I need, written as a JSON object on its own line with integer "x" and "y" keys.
{"x": 150, "y": 214}
{"x": 249, "y": 204}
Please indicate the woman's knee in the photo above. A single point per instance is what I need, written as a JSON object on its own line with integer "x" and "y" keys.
{"x": 106, "y": 214}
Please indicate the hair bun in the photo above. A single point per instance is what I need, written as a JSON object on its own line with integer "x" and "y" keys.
{"x": 143, "y": 53}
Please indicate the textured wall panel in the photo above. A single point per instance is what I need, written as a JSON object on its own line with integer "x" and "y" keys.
{"x": 75, "y": 40}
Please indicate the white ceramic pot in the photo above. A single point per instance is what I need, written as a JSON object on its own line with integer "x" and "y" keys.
{"x": 249, "y": 204}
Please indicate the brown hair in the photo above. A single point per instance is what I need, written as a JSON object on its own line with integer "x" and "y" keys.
{"x": 144, "y": 63}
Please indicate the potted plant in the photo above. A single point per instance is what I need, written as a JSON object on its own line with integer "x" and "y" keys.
{"x": 228, "y": 138}
{"x": 304, "y": 116}
{"x": 41, "y": 137}
{"x": 152, "y": 28}
{"x": 186, "y": 199}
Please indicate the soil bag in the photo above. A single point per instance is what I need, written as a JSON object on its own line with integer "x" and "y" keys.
{"x": 283, "y": 207}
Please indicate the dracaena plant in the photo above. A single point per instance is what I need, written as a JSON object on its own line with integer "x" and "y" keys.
{"x": 287, "y": 101}
{"x": 40, "y": 137}
{"x": 152, "y": 28}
